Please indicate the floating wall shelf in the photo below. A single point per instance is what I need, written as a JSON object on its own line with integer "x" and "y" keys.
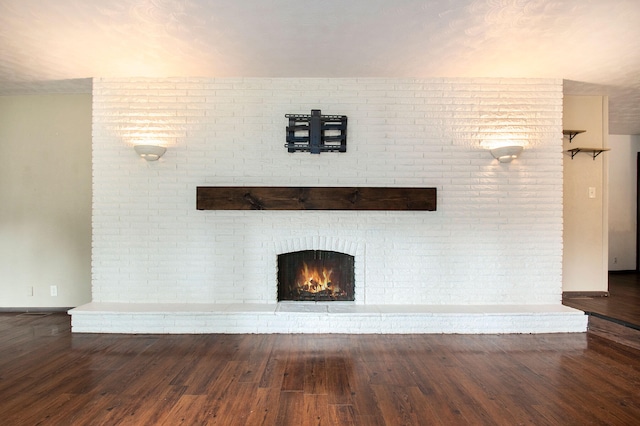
{"x": 593, "y": 151}
{"x": 572, "y": 133}
{"x": 314, "y": 198}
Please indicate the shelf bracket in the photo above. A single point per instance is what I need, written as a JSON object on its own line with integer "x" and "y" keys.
{"x": 593, "y": 151}
{"x": 572, "y": 133}
{"x": 573, "y": 152}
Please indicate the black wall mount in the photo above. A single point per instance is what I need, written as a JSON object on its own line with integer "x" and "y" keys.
{"x": 316, "y": 133}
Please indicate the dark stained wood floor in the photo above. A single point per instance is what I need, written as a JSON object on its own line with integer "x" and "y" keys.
{"x": 49, "y": 376}
{"x": 623, "y": 302}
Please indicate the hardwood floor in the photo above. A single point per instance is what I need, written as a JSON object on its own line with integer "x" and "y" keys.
{"x": 49, "y": 376}
{"x": 623, "y": 302}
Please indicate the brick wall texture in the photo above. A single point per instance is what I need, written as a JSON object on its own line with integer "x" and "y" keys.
{"x": 496, "y": 237}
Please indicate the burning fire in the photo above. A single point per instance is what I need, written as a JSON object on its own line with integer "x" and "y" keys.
{"x": 316, "y": 280}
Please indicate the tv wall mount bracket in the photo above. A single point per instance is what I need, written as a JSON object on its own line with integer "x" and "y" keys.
{"x": 316, "y": 133}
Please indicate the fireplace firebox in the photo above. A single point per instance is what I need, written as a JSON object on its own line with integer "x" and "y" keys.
{"x": 316, "y": 275}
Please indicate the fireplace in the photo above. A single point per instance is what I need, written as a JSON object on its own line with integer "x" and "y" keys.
{"x": 316, "y": 275}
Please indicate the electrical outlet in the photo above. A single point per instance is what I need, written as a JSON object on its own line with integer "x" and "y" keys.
{"x": 30, "y": 290}
{"x": 54, "y": 290}
{"x": 615, "y": 260}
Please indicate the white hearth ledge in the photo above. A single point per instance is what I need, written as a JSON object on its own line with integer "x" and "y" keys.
{"x": 327, "y": 317}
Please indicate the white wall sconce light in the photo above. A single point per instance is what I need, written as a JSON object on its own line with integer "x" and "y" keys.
{"x": 506, "y": 154}
{"x": 150, "y": 152}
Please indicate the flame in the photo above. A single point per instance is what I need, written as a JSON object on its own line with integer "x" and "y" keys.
{"x": 315, "y": 280}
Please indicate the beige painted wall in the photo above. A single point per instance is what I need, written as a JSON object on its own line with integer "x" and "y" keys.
{"x": 45, "y": 200}
{"x": 585, "y": 236}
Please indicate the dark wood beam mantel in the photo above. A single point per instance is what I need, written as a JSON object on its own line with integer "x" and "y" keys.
{"x": 314, "y": 198}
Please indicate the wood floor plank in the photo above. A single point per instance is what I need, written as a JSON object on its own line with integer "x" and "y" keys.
{"x": 316, "y": 410}
{"x": 273, "y": 371}
{"x": 291, "y": 409}
{"x": 263, "y": 409}
{"x": 150, "y": 409}
{"x": 342, "y": 414}
{"x": 232, "y": 408}
{"x": 189, "y": 409}
{"x": 364, "y": 399}
{"x": 294, "y": 374}
{"x": 338, "y": 387}
{"x": 400, "y": 406}
{"x": 315, "y": 376}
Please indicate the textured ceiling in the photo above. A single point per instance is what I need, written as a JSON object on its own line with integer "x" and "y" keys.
{"x": 593, "y": 45}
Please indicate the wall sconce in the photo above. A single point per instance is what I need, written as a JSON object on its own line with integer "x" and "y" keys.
{"x": 505, "y": 154}
{"x": 150, "y": 152}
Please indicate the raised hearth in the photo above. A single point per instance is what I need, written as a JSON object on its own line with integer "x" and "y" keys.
{"x": 330, "y": 317}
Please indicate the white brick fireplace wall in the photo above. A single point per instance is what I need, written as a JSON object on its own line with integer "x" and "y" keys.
{"x": 493, "y": 247}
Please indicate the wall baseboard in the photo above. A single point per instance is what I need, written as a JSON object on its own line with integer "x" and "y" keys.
{"x": 19, "y": 310}
{"x": 575, "y": 294}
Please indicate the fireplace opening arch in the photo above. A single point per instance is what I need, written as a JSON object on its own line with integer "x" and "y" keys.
{"x": 316, "y": 275}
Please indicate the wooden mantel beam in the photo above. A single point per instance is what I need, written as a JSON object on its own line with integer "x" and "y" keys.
{"x": 314, "y": 198}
